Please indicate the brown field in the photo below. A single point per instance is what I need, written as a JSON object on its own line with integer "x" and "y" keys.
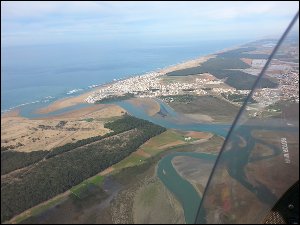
{"x": 107, "y": 171}
{"x": 142, "y": 153}
{"x": 174, "y": 143}
{"x": 201, "y": 135}
{"x": 198, "y": 117}
{"x": 12, "y": 113}
{"x": 44, "y": 134}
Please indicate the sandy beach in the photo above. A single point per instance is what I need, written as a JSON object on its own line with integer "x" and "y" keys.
{"x": 186, "y": 64}
{"x": 66, "y": 102}
{"x": 150, "y": 106}
{"x": 30, "y": 134}
{"x": 63, "y": 103}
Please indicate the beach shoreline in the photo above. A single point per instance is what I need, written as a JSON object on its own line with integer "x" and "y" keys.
{"x": 71, "y": 101}
{"x": 74, "y": 100}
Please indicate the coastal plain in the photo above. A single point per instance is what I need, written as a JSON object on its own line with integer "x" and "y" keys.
{"x": 129, "y": 189}
{"x": 23, "y": 134}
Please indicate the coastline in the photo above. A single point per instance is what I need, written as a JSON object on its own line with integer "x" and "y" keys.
{"x": 12, "y": 113}
{"x": 63, "y": 103}
{"x": 71, "y": 101}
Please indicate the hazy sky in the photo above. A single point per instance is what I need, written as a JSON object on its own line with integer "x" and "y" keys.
{"x": 30, "y": 23}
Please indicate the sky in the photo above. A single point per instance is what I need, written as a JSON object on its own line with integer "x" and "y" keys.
{"x": 43, "y": 23}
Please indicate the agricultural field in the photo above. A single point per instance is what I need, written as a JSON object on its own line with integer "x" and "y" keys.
{"x": 163, "y": 141}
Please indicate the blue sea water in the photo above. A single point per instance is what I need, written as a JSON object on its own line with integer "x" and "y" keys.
{"x": 42, "y": 74}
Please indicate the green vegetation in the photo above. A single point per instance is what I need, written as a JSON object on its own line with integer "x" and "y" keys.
{"x": 238, "y": 97}
{"x": 88, "y": 119}
{"x": 80, "y": 190}
{"x": 214, "y": 66}
{"x": 130, "y": 122}
{"x": 286, "y": 107}
{"x": 68, "y": 168}
{"x": 152, "y": 147}
{"x": 114, "y": 98}
{"x": 212, "y": 146}
{"x": 13, "y": 160}
{"x": 127, "y": 123}
{"x": 70, "y": 146}
{"x": 225, "y": 65}
{"x": 130, "y": 175}
{"x": 131, "y": 160}
{"x": 97, "y": 180}
{"x": 276, "y": 107}
{"x": 178, "y": 98}
{"x": 243, "y": 53}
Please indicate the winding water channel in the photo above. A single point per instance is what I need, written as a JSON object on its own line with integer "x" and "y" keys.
{"x": 237, "y": 158}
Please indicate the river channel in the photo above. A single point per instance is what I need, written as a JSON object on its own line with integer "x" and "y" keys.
{"x": 180, "y": 187}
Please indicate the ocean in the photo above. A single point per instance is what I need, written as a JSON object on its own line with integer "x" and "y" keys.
{"x": 42, "y": 74}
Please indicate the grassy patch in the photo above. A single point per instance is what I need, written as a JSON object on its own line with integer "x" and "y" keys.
{"x": 88, "y": 119}
{"x": 81, "y": 189}
{"x": 152, "y": 146}
{"x": 132, "y": 160}
{"x": 164, "y": 138}
{"x": 97, "y": 180}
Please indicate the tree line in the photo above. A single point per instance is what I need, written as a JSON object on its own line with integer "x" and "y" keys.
{"x": 58, "y": 174}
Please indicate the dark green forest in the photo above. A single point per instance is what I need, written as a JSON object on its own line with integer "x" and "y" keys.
{"x": 69, "y": 167}
{"x": 243, "y": 53}
{"x": 225, "y": 65}
{"x": 13, "y": 160}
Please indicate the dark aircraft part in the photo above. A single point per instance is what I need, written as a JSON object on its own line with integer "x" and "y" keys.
{"x": 255, "y": 178}
{"x": 286, "y": 210}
